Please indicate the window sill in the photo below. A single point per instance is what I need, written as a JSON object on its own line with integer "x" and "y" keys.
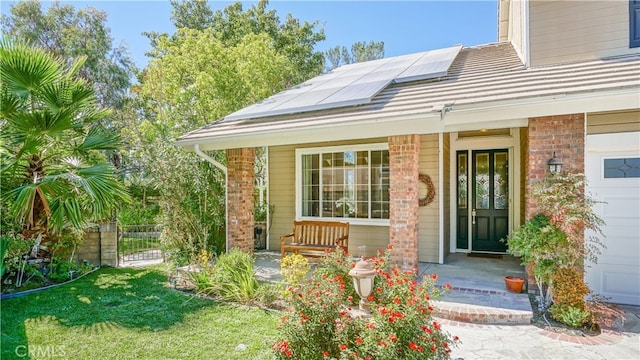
{"x": 351, "y": 221}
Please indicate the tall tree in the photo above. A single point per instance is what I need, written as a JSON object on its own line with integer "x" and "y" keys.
{"x": 360, "y": 52}
{"x": 294, "y": 39}
{"x": 54, "y": 176}
{"x": 70, "y": 33}
{"x": 214, "y": 64}
{"x": 198, "y": 79}
{"x": 191, "y": 14}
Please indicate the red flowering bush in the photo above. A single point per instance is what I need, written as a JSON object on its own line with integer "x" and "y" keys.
{"x": 319, "y": 325}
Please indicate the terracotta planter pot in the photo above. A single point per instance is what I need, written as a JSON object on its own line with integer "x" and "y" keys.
{"x": 514, "y": 283}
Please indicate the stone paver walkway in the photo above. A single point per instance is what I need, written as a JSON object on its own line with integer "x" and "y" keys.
{"x": 481, "y": 341}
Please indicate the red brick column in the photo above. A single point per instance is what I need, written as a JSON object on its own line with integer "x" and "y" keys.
{"x": 404, "y": 152}
{"x": 564, "y": 134}
{"x": 240, "y": 171}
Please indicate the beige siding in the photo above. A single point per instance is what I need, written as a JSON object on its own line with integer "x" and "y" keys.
{"x": 281, "y": 192}
{"x": 428, "y": 228}
{"x": 503, "y": 20}
{"x": 613, "y": 122}
{"x": 447, "y": 191}
{"x": 516, "y": 29}
{"x": 568, "y": 31}
{"x": 282, "y": 195}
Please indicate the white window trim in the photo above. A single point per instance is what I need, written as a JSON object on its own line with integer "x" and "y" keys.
{"x": 342, "y": 148}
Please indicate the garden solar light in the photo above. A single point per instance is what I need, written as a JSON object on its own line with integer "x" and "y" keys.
{"x": 363, "y": 274}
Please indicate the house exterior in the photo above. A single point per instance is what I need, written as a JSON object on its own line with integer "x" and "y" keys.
{"x": 480, "y": 121}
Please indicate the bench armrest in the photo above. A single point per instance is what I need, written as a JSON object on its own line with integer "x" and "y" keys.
{"x": 341, "y": 240}
{"x": 283, "y": 238}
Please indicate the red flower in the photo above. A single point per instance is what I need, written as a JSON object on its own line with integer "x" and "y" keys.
{"x": 370, "y": 298}
{"x": 343, "y": 347}
{"x": 359, "y": 341}
{"x": 393, "y": 337}
{"x": 325, "y": 353}
{"x": 434, "y": 276}
{"x": 456, "y": 338}
{"x": 413, "y": 346}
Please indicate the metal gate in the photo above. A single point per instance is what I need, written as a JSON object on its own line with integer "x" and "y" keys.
{"x": 139, "y": 242}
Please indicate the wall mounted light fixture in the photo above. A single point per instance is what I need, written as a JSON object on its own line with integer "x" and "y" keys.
{"x": 555, "y": 164}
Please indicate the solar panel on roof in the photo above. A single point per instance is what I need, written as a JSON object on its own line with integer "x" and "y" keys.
{"x": 353, "y": 84}
{"x": 432, "y": 64}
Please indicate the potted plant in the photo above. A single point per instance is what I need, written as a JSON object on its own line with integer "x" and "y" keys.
{"x": 514, "y": 283}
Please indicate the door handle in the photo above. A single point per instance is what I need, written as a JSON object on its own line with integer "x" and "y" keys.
{"x": 473, "y": 216}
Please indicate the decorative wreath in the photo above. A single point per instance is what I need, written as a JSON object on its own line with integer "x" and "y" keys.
{"x": 431, "y": 190}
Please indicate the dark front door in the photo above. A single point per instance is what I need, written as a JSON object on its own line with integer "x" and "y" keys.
{"x": 489, "y": 200}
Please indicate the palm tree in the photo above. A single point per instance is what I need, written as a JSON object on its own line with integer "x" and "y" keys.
{"x": 55, "y": 175}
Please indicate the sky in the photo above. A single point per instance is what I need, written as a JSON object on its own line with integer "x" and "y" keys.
{"x": 404, "y": 26}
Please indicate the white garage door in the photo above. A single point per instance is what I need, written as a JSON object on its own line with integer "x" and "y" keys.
{"x": 612, "y": 166}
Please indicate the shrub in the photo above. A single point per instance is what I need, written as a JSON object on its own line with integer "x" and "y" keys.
{"x": 554, "y": 239}
{"x": 570, "y": 288}
{"x": 319, "y": 325}
{"x": 570, "y": 315}
{"x": 4, "y": 245}
{"x": 231, "y": 277}
{"x": 603, "y": 313}
{"x": 16, "y": 248}
{"x": 294, "y": 268}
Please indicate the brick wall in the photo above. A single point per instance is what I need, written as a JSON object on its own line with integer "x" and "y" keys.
{"x": 240, "y": 186}
{"x": 564, "y": 134}
{"x": 404, "y": 152}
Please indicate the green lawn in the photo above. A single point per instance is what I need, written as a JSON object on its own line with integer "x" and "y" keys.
{"x": 130, "y": 314}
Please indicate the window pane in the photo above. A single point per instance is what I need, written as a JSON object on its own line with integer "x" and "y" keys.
{"x": 621, "y": 168}
{"x": 310, "y": 185}
{"x": 350, "y": 184}
{"x": 482, "y": 181}
{"x": 380, "y": 184}
{"x": 462, "y": 181}
{"x": 501, "y": 180}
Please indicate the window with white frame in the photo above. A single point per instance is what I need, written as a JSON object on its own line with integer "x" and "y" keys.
{"x": 344, "y": 182}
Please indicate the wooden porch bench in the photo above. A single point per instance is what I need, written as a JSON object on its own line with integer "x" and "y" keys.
{"x": 312, "y": 238}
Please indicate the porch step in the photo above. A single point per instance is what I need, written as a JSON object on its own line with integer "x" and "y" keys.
{"x": 484, "y": 307}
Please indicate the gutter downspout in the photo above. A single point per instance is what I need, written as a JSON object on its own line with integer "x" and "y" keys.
{"x": 196, "y": 149}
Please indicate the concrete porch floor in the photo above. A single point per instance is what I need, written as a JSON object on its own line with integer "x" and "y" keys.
{"x": 478, "y": 293}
